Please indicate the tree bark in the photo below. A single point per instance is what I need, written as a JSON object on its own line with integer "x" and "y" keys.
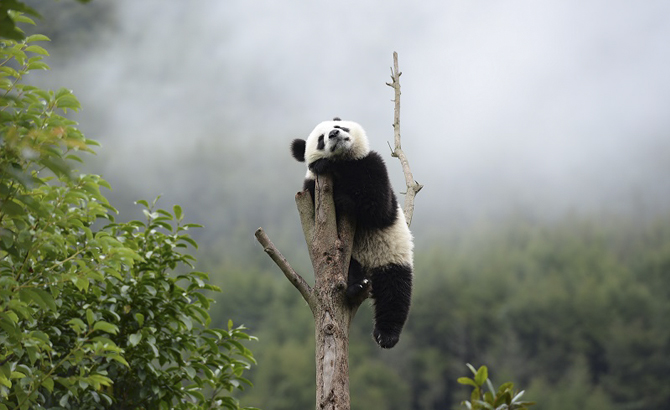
{"x": 330, "y": 250}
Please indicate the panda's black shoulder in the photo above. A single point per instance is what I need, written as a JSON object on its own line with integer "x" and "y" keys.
{"x": 375, "y": 158}
{"x": 369, "y": 173}
{"x": 373, "y": 162}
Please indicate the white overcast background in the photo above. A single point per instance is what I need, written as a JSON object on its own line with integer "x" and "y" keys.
{"x": 539, "y": 107}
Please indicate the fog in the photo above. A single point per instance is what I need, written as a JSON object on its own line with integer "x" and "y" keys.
{"x": 539, "y": 108}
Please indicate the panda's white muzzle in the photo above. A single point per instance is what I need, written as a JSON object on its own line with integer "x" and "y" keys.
{"x": 338, "y": 143}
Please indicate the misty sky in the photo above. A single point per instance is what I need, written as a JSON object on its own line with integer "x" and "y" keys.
{"x": 507, "y": 106}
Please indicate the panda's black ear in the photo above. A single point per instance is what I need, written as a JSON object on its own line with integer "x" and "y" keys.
{"x": 298, "y": 149}
{"x": 337, "y": 119}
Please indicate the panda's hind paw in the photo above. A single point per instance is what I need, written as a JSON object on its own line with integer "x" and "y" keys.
{"x": 385, "y": 340}
{"x": 355, "y": 290}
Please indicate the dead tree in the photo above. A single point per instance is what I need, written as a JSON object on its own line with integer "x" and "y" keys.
{"x": 329, "y": 245}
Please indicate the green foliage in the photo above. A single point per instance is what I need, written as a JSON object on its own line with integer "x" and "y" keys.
{"x": 574, "y": 311}
{"x": 94, "y": 314}
{"x": 10, "y": 15}
{"x": 376, "y": 385}
{"x": 573, "y": 391}
{"x": 504, "y": 398}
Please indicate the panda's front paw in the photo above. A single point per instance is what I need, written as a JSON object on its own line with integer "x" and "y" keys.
{"x": 320, "y": 166}
{"x": 385, "y": 340}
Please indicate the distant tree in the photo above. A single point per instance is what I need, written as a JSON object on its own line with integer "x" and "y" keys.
{"x": 94, "y": 314}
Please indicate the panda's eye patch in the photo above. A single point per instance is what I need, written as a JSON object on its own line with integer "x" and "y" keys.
{"x": 345, "y": 129}
{"x": 321, "y": 145}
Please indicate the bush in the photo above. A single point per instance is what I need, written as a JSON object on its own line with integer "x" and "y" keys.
{"x": 94, "y": 314}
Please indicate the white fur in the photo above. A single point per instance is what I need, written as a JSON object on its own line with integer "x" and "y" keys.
{"x": 357, "y": 147}
{"x": 394, "y": 244}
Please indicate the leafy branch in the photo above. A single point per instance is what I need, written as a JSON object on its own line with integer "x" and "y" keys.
{"x": 503, "y": 398}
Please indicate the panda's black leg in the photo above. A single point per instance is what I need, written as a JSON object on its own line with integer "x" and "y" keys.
{"x": 357, "y": 282}
{"x": 392, "y": 294}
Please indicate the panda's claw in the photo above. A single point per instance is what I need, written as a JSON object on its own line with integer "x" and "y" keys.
{"x": 385, "y": 341}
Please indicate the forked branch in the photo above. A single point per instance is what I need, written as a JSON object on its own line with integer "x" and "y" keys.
{"x": 297, "y": 280}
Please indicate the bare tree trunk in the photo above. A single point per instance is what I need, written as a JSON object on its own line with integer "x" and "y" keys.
{"x": 330, "y": 251}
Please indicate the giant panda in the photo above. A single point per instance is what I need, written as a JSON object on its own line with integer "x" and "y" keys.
{"x": 382, "y": 254}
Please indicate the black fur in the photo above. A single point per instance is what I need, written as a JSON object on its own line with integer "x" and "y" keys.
{"x": 298, "y": 149}
{"x": 392, "y": 293}
{"x": 361, "y": 188}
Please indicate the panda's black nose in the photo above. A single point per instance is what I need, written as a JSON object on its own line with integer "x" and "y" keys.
{"x": 333, "y": 133}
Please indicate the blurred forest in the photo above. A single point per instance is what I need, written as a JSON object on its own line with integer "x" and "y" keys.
{"x": 570, "y": 303}
{"x": 574, "y": 311}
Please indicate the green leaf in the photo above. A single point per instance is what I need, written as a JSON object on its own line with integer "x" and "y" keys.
{"x": 166, "y": 215}
{"x": 481, "y": 376}
{"x": 31, "y": 295}
{"x": 81, "y": 283}
{"x": 484, "y": 404}
{"x": 37, "y": 37}
{"x": 17, "y": 375}
{"x": 89, "y": 317}
{"x": 119, "y": 359}
{"x": 504, "y": 387}
{"x": 106, "y": 327}
{"x": 490, "y": 386}
{"x": 20, "y": 18}
{"x": 38, "y": 65}
{"x": 32, "y": 354}
{"x": 11, "y": 208}
{"x": 190, "y": 371}
{"x": 64, "y": 400}
{"x": 48, "y": 384}
{"x": 467, "y": 381}
{"x": 488, "y": 397}
{"x": 134, "y": 339}
{"x": 188, "y": 240}
{"x": 77, "y": 325}
{"x": 38, "y": 50}
{"x": 474, "y": 396}
{"x": 4, "y": 381}
{"x": 68, "y": 101}
{"x": 518, "y": 396}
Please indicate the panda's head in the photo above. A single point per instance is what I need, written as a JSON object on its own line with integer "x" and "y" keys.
{"x": 336, "y": 140}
